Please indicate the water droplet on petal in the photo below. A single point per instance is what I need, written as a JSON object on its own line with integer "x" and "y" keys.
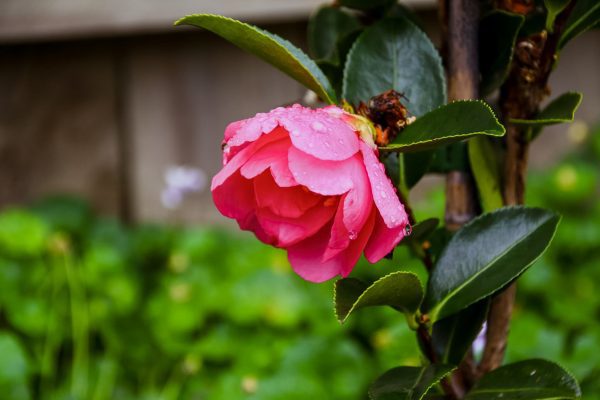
{"x": 407, "y": 230}
{"x": 352, "y": 235}
{"x": 319, "y": 127}
{"x": 383, "y": 194}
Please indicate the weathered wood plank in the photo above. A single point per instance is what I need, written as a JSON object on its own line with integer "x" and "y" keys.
{"x": 57, "y": 125}
{"x": 182, "y": 94}
{"x": 35, "y": 20}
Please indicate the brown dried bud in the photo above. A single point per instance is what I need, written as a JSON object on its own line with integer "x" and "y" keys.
{"x": 522, "y": 7}
{"x": 387, "y": 110}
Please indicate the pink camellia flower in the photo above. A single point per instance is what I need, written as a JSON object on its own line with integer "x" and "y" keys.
{"x": 310, "y": 181}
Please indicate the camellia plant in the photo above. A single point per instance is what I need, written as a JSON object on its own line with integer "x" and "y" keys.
{"x": 329, "y": 184}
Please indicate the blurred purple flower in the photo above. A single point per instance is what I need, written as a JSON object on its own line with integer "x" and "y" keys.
{"x": 180, "y": 181}
{"x": 479, "y": 342}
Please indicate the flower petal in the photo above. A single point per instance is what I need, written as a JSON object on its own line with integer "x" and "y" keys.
{"x": 289, "y": 231}
{"x": 320, "y": 133}
{"x": 231, "y": 167}
{"x": 321, "y": 176}
{"x": 383, "y": 240}
{"x": 384, "y": 194}
{"x": 307, "y": 260}
{"x": 352, "y": 214}
{"x": 236, "y": 161}
{"x": 274, "y": 156}
{"x": 235, "y": 199}
{"x": 290, "y": 202}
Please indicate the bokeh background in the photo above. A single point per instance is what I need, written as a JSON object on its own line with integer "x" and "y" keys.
{"x": 119, "y": 280}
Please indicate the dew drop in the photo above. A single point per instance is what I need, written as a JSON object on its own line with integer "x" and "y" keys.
{"x": 383, "y": 194}
{"x": 407, "y": 230}
{"x": 319, "y": 127}
{"x": 352, "y": 235}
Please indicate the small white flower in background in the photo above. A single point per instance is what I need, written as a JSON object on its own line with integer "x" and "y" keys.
{"x": 180, "y": 181}
{"x": 479, "y": 342}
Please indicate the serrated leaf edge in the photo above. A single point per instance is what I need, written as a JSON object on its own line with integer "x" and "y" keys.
{"x": 434, "y": 312}
{"x": 428, "y": 40}
{"x": 343, "y": 319}
{"x": 428, "y": 388}
{"x": 465, "y": 135}
{"x": 549, "y": 121}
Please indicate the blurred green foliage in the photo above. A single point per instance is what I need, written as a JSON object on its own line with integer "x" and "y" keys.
{"x": 91, "y": 309}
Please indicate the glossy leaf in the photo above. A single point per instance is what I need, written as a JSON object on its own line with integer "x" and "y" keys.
{"x": 527, "y": 380}
{"x": 395, "y": 54}
{"x": 453, "y": 336}
{"x": 585, "y": 15}
{"x": 498, "y": 32}
{"x": 399, "y": 290}
{"x": 554, "y": 7}
{"x": 486, "y": 170}
{"x": 487, "y": 254}
{"x": 269, "y": 47}
{"x": 453, "y": 122}
{"x": 398, "y": 10}
{"x": 453, "y": 157}
{"x": 408, "y": 167}
{"x": 325, "y": 29}
{"x": 408, "y": 383}
{"x": 562, "y": 109}
{"x": 423, "y": 229}
{"x": 416, "y": 165}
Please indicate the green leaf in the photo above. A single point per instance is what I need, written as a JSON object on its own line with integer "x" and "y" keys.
{"x": 453, "y": 336}
{"x": 269, "y": 47}
{"x": 325, "y": 28}
{"x": 562, "y": 109}
{"x": 408, "y": 383}
{"x": 554, "y": 8}
{"x": 453, "y": 157}
{"x": 487, "y": 254}
{"x": 534, "y": 379}
{"x": 400, "y": 290}
{"x": 416, "y": 165}
{"x": 407, "y": 169}
{"x": 422, "y": 230}
{"x": 585, "y": 15}
{"x": 453, "y": 122}
{"x": 13, "y": 368}
{"x": 395, "y": 54}
{"x": 22, "y": 234}
{"x": 486, "y": 170}
{"x": 498, "y": 32}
